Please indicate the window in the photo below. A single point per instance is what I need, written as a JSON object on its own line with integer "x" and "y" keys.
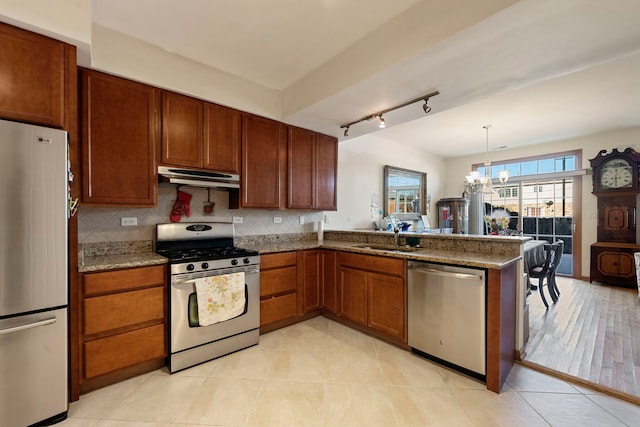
{"x": 538, "y": 199}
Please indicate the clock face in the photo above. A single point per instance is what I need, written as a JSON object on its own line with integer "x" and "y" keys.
{"x": 616, "y": 173}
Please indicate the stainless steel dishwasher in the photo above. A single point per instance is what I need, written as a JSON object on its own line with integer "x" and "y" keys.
{"x": 446, "y": 315}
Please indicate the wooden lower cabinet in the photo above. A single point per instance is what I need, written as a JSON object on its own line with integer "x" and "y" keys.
{"x": 386, "y": 304}
{"x": 329, "y": 288}
{"x": 276, "y": 308}
{"x": 363, "y": 289}
{"x": 104, "y": 355}
{"x": 311, "y": 277}
{"x": 278, "y": 287}
{"x": 353, "y": 294}
{"x": 613, "y": 263}
{"x": 372, "y": 292}
{"x": 123, "y": 323}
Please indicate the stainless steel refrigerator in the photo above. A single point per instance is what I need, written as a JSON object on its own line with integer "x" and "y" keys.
{"x": 33, "y": 274}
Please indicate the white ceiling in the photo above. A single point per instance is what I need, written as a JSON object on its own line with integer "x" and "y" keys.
{"x": 537, "y": 71}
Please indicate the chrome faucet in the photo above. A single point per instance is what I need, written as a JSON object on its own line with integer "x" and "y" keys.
{"x": 396, "y": 236}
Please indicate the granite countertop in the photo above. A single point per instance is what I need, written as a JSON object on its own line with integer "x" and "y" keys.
{"x": 470, "y": 259}
{"x": 468, "y": 252}
{"x": 112, "y": 262}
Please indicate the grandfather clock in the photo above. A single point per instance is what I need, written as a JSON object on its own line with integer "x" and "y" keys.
{"x": 616, "y": 185}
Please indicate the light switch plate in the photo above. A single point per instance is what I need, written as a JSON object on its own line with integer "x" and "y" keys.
{"x": 238, "y": 219}
{"x": 277, "y": 220}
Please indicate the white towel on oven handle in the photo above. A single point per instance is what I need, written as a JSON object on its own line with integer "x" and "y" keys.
{"x": 220, "y": 298}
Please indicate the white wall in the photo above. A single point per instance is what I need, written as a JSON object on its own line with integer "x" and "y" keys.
{"x": 360, "y": 173}
{"x": 457, "y": 168}
{"x": 66, "y": 20}
{"x": 118, "y": 54}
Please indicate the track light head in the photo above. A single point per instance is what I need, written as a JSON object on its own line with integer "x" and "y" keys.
{"x": 346, "y": 131}
{"x": 426, "y": 107}
{"x": 382, "y": 124}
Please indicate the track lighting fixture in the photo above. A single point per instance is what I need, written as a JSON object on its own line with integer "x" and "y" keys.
{"x": 379, "y": 114}
{"x": 426, "y": 107}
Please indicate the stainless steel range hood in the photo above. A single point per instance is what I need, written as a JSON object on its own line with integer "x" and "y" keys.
{"x": 198, "y": 178}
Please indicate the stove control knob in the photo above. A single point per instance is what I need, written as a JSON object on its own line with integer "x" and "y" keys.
{"x": 234, "y": 262}
{"x": 190, "y": 267}
{"x": 205, "y": 265}
{"x": 246, "y": 260}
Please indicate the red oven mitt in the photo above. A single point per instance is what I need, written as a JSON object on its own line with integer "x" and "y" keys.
{"x": 181, "y": 206}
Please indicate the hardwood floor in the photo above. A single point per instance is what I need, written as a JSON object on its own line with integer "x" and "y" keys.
{"x": 592, "y": 334}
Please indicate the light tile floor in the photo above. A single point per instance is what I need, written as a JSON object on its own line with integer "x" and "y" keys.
{"x": 321, "y": 373}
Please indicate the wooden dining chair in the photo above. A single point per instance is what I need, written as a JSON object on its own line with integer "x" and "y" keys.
{"x": 545, "y": 273}
{"x": 556, "y": 262}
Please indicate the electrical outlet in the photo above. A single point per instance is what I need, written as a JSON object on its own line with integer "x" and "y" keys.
{"x": 277, "y": 220}
{"x": 349, "y": 219}
{"x": 238, "y": 220}
{"x": 301, "y": 219}
{"x": 326, "y": 219}
{"x": 128, "y": 221}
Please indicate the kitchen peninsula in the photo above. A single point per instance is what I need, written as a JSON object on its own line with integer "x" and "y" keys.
{"x": 314, "y": 267}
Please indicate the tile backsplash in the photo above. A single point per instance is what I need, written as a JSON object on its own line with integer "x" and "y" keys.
{"x": 102, "y": 223}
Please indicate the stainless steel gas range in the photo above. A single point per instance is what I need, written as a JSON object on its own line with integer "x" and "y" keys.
{"x": 204, "y": 267}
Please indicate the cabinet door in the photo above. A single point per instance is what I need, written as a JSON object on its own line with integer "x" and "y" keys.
{"x": 221, "y": 139}
{"x": 119, "y": 128}
{"x": 301, "y": 168}
{"x": 311, "y": 280}
{"x": 32, "y": 75}
{"x": 326, "y": 172}
{"x": 119, "y": 351}
{"x": 329, "y": 283}
{"x": 387, "y": 302}
{"x": 181, "y": 130}
{"x": 263, "y": 163}
{"x": 353, "y": 294}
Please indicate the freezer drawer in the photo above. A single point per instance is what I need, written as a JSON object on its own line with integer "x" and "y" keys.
{"x": 446, "y": 314}
{"x": 33, "y": 368}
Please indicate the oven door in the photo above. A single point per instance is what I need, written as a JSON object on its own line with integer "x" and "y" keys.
{"x": 185, "y": 331}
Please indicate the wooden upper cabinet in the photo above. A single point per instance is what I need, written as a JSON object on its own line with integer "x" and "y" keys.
{"x": 326, "y": 169}
{"x": 301, "y": 168}
{"x": 181, "y": 130}
{"x": 119, "y": 125}
{"x": 312, "y": 166}
{"x": 34, "y": 77}
{"x": 263, "y": 162}
{"x": 221, "y": 138}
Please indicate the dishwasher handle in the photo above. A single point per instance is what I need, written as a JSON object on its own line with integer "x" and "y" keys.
{"x": 451, "y": 274}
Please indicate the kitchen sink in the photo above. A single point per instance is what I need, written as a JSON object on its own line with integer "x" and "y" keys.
{"x": 388, "y": 248}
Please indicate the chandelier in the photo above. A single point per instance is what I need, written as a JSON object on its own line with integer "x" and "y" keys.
{"x": 475, "y": 183}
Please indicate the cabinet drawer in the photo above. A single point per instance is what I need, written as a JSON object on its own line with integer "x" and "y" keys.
{"x": 380, "y": 264}
{"x": 277, "y": 308}
{"x": 282, "y": 259}
{"x": 119, "y": 280}
{"x": 278, "y": 281}
{"x": 115, "y": 311}
{"x": 119, "y": 351}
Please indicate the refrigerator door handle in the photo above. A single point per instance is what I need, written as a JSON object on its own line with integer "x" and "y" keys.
{"x": 27, "y": 326}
